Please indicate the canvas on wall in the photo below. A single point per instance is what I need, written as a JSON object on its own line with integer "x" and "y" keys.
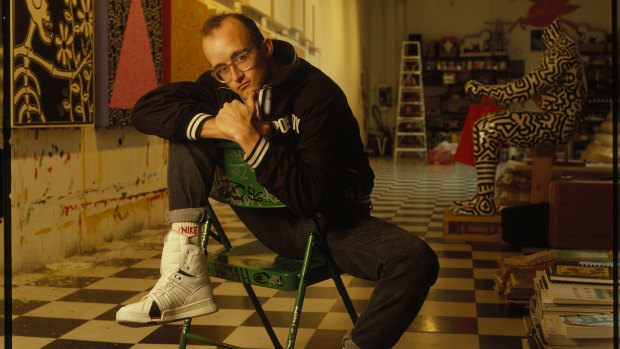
{"x": 52, "y": 70}
{"x": 134, "y": 54}
{"x": 183, "y": 58}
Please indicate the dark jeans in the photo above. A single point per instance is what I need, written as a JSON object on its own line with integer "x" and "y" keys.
{"x": 403, "y": 266}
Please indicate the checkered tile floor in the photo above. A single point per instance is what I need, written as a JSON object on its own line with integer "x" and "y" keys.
{"x": 72, "y": 304}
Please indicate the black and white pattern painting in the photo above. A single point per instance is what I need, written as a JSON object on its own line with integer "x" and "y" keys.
{"x": 52, "y": 70}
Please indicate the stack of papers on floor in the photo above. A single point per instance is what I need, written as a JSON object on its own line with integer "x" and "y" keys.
{"x": 573, "y": 303}
{"x": 591, "y": 331}
{"x": 514, "y": 281}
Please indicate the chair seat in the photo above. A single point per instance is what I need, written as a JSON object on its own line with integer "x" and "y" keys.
{"x": 254, "y": 263}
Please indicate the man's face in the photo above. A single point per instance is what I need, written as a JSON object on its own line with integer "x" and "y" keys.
{"x": 225, "y": 43}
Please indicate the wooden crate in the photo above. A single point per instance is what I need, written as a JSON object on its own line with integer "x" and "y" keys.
{"x": 471, "y": 228}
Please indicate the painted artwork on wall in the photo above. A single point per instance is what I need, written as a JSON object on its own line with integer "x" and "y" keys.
{"x": 542, "y": 12}
{"x": 182, "y": 41}
{"x": 134, "y": 54}
{"x": 52, "y": 45}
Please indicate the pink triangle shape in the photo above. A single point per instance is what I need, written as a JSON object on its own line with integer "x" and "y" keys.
{"x": 135, "y": 75}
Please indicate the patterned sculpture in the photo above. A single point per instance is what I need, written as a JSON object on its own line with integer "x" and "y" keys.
{"x": 559, "y": 82}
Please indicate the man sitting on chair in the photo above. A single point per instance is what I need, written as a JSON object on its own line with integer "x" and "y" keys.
{"x": 301, "y": 138}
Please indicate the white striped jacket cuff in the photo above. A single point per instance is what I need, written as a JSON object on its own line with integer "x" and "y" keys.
{"x": 195, "y": 125}
{"x": 256, "y": 156}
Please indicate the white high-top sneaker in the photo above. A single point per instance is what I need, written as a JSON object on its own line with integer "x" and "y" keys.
{"x": 182, "y": 291}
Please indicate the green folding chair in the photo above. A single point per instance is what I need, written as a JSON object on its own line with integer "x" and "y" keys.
{"x": 252, "y": 263}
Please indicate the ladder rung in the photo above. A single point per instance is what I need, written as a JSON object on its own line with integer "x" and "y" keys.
{"x": 405, "y": 119}
{"x": 421, "y": 134}
{"x": 411, "y": 149}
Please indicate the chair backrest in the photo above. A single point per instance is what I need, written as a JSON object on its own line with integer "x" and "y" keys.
{"x": 235, "y": 182}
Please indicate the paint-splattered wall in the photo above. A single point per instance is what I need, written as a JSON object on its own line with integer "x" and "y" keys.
{"x": 73, "y": 189}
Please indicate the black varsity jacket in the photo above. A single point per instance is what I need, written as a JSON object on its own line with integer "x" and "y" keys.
{"x": 314, "y": 161}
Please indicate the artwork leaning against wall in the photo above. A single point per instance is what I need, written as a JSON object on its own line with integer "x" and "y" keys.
{"x": 52, "y": 63}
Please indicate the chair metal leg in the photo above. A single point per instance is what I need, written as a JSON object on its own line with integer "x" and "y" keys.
{"x": 301, "y": 291}
{"x": 262, "y": 315}
{"x": 344, "y": 294}
{"x": 210, "y": 342}
{"x": 186, "y": 325}
{"x": 185, "y": 333}
{"x": 335, "y": 273}
{"x": 221, "y": 237}
{"x": 206, "y": 228}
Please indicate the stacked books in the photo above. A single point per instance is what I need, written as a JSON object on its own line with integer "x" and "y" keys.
{"x": 573, "y": 302}
{"x": 514, "y": 281}
{"x": 581, "y": 272}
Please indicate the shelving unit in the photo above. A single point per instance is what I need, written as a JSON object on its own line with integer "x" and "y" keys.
{"x": 446, "y": 102}
{"x": 410, "y": 126}
{"x": 597, "y": 68}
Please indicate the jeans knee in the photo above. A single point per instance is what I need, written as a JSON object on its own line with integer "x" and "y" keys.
{"x": 432, "y": 267}
{"x": 428, "y": 263}
{"x": 419, "y": 266}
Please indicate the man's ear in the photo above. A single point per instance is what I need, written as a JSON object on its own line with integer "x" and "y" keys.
{"x": 268, "y": 46}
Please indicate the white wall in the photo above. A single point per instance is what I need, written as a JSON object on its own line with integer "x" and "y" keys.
{"x": 338, "y": 39}
{"x": 461, "y": 18}
{"x": 388, "y": 22}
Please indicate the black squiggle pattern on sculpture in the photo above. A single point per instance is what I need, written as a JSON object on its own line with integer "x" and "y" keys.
{"x": 559, "y": 82}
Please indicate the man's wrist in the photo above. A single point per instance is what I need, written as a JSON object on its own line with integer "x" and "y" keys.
{"x": 210, "y": 130}
{"x": 247, "y": 141}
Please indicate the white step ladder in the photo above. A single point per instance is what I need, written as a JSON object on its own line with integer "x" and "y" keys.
{"x": 410, "y": 126}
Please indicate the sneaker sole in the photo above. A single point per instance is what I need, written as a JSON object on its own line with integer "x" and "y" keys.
{"x": 204, "y": 307}
{"x": 201, "y": 308}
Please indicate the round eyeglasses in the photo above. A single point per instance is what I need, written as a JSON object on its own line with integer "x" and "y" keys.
{"x": 242, "y": 62}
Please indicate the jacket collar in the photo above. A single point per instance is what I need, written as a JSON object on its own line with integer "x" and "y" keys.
{"x": 284, "y": 53}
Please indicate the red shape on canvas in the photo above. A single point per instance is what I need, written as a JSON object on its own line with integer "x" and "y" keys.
{"x": 543, "y": 12}
{"x": 135, "y": 75}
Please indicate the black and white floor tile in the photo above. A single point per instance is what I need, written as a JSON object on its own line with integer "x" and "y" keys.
{"x": 72, "y": 303}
